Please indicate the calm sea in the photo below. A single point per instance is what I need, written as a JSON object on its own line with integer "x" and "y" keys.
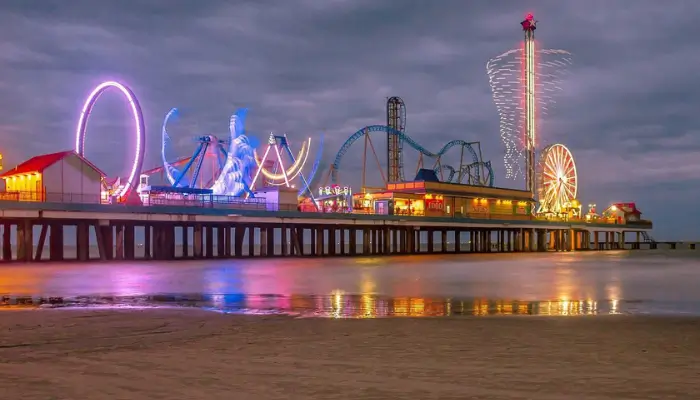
{"x": 638, "y": 282}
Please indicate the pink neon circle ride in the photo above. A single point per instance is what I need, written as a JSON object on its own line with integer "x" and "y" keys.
{"x": 140, "y": 129}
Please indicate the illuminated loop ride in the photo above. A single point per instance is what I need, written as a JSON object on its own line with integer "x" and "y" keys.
{"x": 273, "y": 171}
{"x": 139, "y": 132}
{"x": 524, "y": 83}
{"x": 231, "y": 161}
{"x": 557, "y": 181}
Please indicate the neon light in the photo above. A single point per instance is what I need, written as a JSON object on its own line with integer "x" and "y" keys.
{"x": 530, "y": 105}
{"x": 279, "y": 159}
{"x": 287, "y": 176}
{"x": 297, "y": 165}
{"x": 524, "y": 83}
{"x": 557, "y": 179}
{"x": 335, "y": 190}
{"x": 138, "y": 121}
{"x": 260, "y": 168}
{"x": 164, "y": 139}
{"x": 303, "y": 162}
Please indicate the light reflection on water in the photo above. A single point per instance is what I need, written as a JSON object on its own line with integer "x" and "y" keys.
{"x": 526, "y": 284}
{"x": 336, "y": 305}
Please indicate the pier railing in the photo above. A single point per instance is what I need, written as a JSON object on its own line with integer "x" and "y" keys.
{"x": 201, "y": 201}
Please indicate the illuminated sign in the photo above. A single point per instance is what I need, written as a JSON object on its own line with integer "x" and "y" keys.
{"x": 478, "y": 208}
{"x": 435, "y": 204}
{"x": 334, "y": 190}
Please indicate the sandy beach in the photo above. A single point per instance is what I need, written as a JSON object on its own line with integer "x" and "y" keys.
{"x": 194, "y": 354}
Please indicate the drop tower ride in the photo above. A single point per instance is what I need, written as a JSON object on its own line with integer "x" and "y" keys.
{"x": 530, "y": 100}
{"x": 396, "y": 120}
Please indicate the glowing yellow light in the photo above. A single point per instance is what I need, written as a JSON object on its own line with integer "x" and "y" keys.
{"x": 292, "y": 171}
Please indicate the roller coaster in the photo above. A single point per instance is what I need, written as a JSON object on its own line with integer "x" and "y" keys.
{"x": 471, "y": 171}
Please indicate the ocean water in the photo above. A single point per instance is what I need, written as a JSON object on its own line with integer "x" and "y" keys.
{"x": 70, "y": 251}
{"x": 633, "y": 282}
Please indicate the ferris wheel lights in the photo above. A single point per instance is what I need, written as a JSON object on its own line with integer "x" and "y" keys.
{"x": 557, "y": 180}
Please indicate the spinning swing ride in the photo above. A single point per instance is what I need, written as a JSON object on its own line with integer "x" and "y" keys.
{"x": 521, "y": 94}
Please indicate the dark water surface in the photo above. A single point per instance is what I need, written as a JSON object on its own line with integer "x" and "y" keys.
{"x": 648, "y": 282}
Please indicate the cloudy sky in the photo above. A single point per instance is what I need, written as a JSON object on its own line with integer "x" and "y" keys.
{"x": 629, "y": 109}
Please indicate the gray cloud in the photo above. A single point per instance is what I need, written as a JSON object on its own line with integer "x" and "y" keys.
{"x": 306, "y": 67}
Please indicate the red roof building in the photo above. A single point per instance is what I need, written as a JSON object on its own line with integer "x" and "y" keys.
{"x": 57, "y": 177}
{"x": 623, "y": 212}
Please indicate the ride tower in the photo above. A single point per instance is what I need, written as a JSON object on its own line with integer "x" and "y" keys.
{"x": 530, "y": 100}
{"x": 396, "y": 120}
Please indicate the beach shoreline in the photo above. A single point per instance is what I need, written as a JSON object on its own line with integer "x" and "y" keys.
{"x": 193, "y": 354}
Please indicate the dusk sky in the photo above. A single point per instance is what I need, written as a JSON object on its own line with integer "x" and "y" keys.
{"x": 628, "y": 110}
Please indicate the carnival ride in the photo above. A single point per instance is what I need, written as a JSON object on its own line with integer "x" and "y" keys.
{"x": 190, "y": 175}
{"x": 273, "y": 171}
{"x": 470, "y": 169}
{"x": 395, "y": 119}
{"x": 121, "y": 191}
{"x": 234, "y": 167}
{"x": 557, "y": 180}
{"x": 231, "y": 161}
{"x": 524, "y": 83}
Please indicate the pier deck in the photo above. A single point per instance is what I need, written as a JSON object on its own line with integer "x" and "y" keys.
{"x": 176, "y": 232}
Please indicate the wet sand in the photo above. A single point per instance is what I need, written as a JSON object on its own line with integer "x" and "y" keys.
{"x": 194, "y": 354}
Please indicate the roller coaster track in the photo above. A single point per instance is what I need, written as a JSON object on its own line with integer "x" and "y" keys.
{"x": 335, "y": 167}
{"x": 466, "y": 172}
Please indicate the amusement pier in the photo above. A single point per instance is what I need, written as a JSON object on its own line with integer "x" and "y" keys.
{"x": 238, "y": 196}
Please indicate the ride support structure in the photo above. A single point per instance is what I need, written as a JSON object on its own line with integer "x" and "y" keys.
{"x": 395, "y": 119}
{"x": 530, "y": 101}
{"x": 471, "y": 170}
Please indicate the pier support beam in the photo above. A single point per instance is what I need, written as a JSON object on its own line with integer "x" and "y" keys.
{"x": 25, "y": 241}
{"x": 42, "y": 240}
{"x": 147, "y": 247}
{"x": 129, "y": 242}
{"x": 197, "y": 244}
{"x": 220, "y": 241}
{"x": 82, "y": 241}
{"x": 209, "y": 241}
{"x": 7, "y": 242}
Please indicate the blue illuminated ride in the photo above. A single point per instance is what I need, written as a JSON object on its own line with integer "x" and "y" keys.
{"x": 232, "y": 160}
{"x": 477, "y": 172}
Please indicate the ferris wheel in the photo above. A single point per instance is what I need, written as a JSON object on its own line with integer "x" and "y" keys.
{"x": 557, "y": 182}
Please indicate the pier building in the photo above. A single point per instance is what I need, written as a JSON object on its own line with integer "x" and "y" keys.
{"x": 622, "y": 213}
{"x": 57, "y": 177}
{"x": 439, "y": 199}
